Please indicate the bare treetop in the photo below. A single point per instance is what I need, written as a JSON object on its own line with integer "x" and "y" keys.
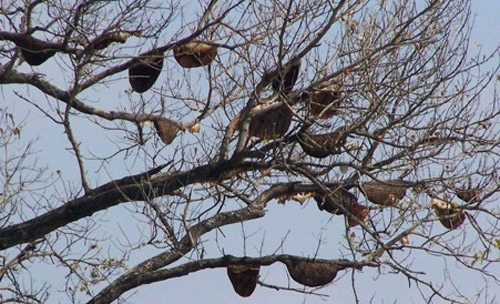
{"x": 146, "y": 140}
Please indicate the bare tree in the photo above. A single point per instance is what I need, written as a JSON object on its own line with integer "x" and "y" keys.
{"x": 164, "y": 135}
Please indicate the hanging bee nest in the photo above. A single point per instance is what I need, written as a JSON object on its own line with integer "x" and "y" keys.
{"x": 34, "y": 51}
{"x": 387, "y": 193}
{"x": 285, "y": 81}
{"x": 195, "y": 54}
{"x": 450, "y": 215}
{"x": 324, "y": 104}
{"x": 34, "y": 56}
{"x": 311, "y": 273}
{"x": 243, "y": 278}
{"x": 271, "y": 124}
{"x": 339, "y": 197}
{"x": 323, "y": 145}
{"x": 468, "y": 194}
{"x": 144, "y": 73}
{"x": 166, "y": 130}
{"x": 357, "y": 213}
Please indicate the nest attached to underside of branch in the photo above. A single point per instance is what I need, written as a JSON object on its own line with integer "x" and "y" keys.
{"x": 324, "y": 104}
{"x": 323, "y": 145}
{"x": 450, "y": 215}
{"x": 270, "y": 124}
{"x": 166, "y": 130}
{"x": 311, "y": 273}
{"x": 340, "y": 201}
{"x": 144, "y": 73}
{"x": 195, "y": 54}
{"x": 243, "y": 278}
{"x": 387, "y": 193}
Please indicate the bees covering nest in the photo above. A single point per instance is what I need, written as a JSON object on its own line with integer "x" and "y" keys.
{"x": 324, "y": 104}
{"x": 323, "y": 145}
{"x": 144, "y": 73}
{"x": 243, "y": 278}
{"x": 387, "y": 193}
{"x": 338, "y": 197}
{"x": 450, "y": 215}
{"x": 166, "y": 130}
{"x": 285, "y": 81}
{"x": 271, "y": 124}
{"x": 311, "y": 273}
{"x": 468, "y": 195}
{"x": 343, "y": 202}
{"x": 195, "y": 54}
{"x": 357, "y": 214}
{"x": 33, "y": 50}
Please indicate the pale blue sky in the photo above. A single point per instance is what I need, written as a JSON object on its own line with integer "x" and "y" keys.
{"x": 213, "y": 287}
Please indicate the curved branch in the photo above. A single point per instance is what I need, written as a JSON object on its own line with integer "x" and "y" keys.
{"x": 132, "y": 189}
{"x": 114, "y": 193}
{"x": 145, "y": 277}
{"x": 147, "y": 271}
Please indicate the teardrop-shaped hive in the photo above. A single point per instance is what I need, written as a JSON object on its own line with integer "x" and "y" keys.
{"x": 195, "y": 54}
{"x": 311, "y": 273}
{"x": 144, "y": 73}
{"x": 324, "y": 104}
{"x": 323, "y": 145}
{"x": 243, "y": 278}
{"x": 166, "y": 130}
{"x": 387, "y": 193}
{"x": 450, "y": 215}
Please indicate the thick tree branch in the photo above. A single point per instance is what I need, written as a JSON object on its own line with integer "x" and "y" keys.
{"x": 132, "y": 189}
{"x": 114, "y": 193}
{"x": 135, "y": 277}
{"x": 148, "y": 277}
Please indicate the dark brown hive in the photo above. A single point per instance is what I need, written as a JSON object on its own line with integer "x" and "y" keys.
{"x": 243, "y": 278}
{"x": 144, "y": 73}
{"x": 271, "y": 124}
{"x": 323, "y": 145}
{"x": 324, "y": 104}
{"x": 285, "y": 81}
